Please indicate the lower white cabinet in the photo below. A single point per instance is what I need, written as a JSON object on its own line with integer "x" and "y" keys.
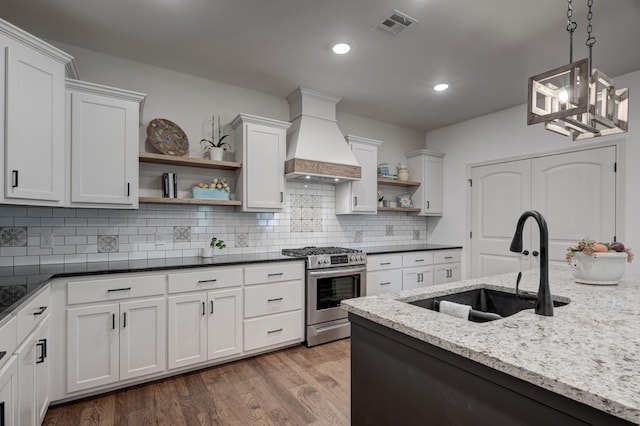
{"x": 420, "y": 276}
{"x": 384, "y": 273}
{"x": 272, "y": 330}
{"x": 9, "y": 392}
{"x": 446, "y": 266}
{"x": 116, "y": 341}
{"x": 204, "y": 326}
{"x": 34, "y": 374}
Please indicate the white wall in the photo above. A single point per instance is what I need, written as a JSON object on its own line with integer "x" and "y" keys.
{"x": 506, "y": 134}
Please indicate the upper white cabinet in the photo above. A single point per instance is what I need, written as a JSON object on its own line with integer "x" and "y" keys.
{"x": 103, "y": 138}
{"x": 32, "y": 119}
{"x": 360, "y": 197}
{"x": 427, "y": 166}
{"x": 261, "y": 147}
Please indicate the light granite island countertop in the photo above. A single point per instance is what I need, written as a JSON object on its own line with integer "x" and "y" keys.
{"x": 589, "y": 351}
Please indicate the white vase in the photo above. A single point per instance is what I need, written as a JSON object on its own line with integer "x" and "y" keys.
{"x": 601, "y": 268}
{"x": 216, "y": 153}
{"x": 206, "y": 252}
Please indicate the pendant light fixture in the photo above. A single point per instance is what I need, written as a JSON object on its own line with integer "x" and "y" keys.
{"x": 576, "y": 100}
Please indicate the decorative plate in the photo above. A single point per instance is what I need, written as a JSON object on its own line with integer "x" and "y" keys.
{"x": 167, "y": 137}
{"x": 404, "y": 201}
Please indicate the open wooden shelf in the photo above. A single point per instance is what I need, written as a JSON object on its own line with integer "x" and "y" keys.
{"x": 398, "y": 209}
{"x": 192, "y": 201}
{"x": 149, "y": 157}
{"x": 395, "y": 182}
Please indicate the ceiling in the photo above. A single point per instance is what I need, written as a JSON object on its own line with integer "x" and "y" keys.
{"x": 485, "y": 50}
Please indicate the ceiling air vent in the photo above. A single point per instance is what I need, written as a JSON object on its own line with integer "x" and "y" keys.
{"x": 395, "y": 22}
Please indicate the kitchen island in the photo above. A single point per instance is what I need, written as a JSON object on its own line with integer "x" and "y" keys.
{"x": 581, "y": 366}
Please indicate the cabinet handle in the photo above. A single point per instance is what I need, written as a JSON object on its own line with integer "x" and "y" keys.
{"x": 419, "y": 260}
{"x": 2, "y": 423}
{"x": 418, "y": 276}
{"x": 448, "y": 257}
{"x": 355, "y": 201}
{"x": 211, "y": 305}
{"x": 274, "y": 331}
{"x": 385, "y": 263}
{"x": 281, "y": 196}
{"x": 386, "y": 283}
{"x": 274, "y": 300}
{"x": 427, "y": 205}
{"x": 119, "y": 289}
{"x": 203, "y": 309}
{"x": 113, "y": 321}
{"x": 207, "y": 281}
{"x": 128, "y": 189}
{"x": 124, "y": 320}
{"x": 14, "y": 178}
{"x": 277, "y": 274}
{"x": 40, "y": 310}
{"x": 43, "y": 351}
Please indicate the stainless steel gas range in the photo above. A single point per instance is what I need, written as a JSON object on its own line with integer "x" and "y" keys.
{"x": 333, "y": 274}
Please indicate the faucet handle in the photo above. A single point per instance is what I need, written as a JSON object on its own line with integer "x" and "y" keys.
{"x": 518, "y": 283}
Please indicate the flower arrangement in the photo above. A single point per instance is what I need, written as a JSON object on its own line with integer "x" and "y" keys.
{"x": 590, "y": 247}
{"x": 215, "y": 142}
{"x": 217, "y": 243}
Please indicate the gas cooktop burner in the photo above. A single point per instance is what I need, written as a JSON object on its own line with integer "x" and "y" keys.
{"x": 312, "y": 251}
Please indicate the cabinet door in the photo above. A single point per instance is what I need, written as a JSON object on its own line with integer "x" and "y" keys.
{"x": 34, "y": 145}
{"x": 379, "y": 282}
{"x": 142, "y": 337}
{"x": 42, "y": 372}
{"x": 92, "y": 346}
{"x": 9, "y": 392}
{"x": 365, "y": 191}
{"x": 433, "y": 185}
{"x": 224, "y": 323}
{"x": 417, "y": 277}
{"x": 187, "y": 329}
{"x": 104, "y": 145}
{"x": 446, "y": 273}
{"x": 26, "y": 354}
{"x": 264, "y": 167}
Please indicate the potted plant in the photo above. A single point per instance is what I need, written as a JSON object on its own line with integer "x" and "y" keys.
{"x": 215, "y": 243}
{"x": 215, "y": 147}
{"x": 598, "y": 263}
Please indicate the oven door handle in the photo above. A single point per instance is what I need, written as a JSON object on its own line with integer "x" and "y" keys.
{"x": 338, "y": 271}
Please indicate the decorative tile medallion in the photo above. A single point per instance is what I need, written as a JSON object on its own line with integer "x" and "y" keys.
{"x": 242, "y": 240}
{"x": 389, "y": 231}
{"x": 357, "y": 237}
{"x": 108, "y": 244}
{"x": 306, "y": 213}
{"x": 13, "y": 236}
{"x": 181, "y": 233}
{"x": 416, "y": 234}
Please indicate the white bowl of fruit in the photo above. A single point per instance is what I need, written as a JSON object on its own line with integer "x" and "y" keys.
{"x": 598, "y": 263}
{"x": 218, "y": 189}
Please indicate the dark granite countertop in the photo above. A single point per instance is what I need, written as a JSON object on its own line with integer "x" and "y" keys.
{"x": 19, "y": 283}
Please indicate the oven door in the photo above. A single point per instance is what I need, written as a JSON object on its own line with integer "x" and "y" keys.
{"x": 327, "y": 288}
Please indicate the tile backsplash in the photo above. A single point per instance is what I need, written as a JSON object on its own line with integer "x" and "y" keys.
{"x": 162, "y": 231}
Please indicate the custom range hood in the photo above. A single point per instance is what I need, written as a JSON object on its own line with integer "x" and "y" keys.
{"x": 316, "y": 149}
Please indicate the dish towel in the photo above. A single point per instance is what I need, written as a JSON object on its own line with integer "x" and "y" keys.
{"x": 455, "y": 309}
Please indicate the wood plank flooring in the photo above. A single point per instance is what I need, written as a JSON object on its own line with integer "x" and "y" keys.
{"x": 295, "y": 386}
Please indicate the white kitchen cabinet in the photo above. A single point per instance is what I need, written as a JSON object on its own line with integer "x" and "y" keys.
{"x": 446, "y": 267}
{"x": 33, "y": 127}
{"x": 116, "y": 341}
{"x": 421, "y": 276}
{"x": 34, "y": 374}
{"x": 360, "y": 196}
{"x": 204, "y": 326}
{"x": 102, "y": 129}
{"x": 427, "y": 167}
{"x": 261, "y": 148}
{"x": 384, "y": 273}
{"x": 9, "y": 392}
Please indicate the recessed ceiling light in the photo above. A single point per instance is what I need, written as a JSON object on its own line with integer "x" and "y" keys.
{"x": 440, "y": 87}
{"x": 341, "y": 48}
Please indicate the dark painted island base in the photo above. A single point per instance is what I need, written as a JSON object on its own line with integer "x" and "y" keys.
{"x": 397, "y": 379}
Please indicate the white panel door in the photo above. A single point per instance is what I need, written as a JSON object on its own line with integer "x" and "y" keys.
{"x": 26, "y": 354}
{"x": 142, "y": 337}
{"x": 576, "y": 193}
{"x": 187, "y": 329}
{"x": 365, "y": 190}
{"x": 446, "y": 273}
{"x": 499, "y": 194}
{"x": 92, "y": 346}
{"x": 433, "y": 185}
{"x": 225, "y": 323}
{"x": 43, "y": 372}
{"x": 104, "y": 145}
{"x": 421, "y": 276}
{"x": 265, "y": 167}
{"x": 9, "y": 391}
{"x": 35, "y": 151}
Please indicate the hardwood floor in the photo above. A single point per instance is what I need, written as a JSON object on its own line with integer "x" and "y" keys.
{"x": 295, "y": 386}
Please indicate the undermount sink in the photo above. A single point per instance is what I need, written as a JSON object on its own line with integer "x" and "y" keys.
{"x": 485, "y": 300}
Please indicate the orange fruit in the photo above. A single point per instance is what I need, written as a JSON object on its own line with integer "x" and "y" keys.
{"x": 600, "y": 248}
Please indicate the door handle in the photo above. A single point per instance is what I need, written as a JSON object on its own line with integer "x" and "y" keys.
{"x": 14, "y": 178}
{"x": 211, "y": 305}
{"x": 42, "y": 344}
{"x": 281, "y": 196}
{"x": 427, "y": 205}
{"x": 526, "y": 252}
{"x": 355, "y": 201}
{"x": 203, "y": 309}
{"x": 113, "y": 321}
{"x": 128, "y": 189}
{"x": 40, "y": 310}
{"x": 2, "y": 419}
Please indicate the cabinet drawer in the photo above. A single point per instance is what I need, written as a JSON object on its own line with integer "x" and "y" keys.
{"x": 205, "y": 279}
{"x": 378, "y": 263}
{"x": 417, "y": 259}
{"x": 8, "y": 340}
{"x": 272, "y": 298}
{"x": 115, "y": 288}
{"x": 272, "y": 330}
{"x": 446, "y": 256}
{"x": 284, "y": 271}
{"x": 384, "y": 281}
{"x": 33, "y": 312}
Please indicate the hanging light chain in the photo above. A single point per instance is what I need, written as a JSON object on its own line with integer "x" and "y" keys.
{"x": 571, "y": 27}
{"x": 591, "y": 40}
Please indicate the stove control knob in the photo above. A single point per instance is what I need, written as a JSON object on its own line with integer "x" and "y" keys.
{"x": 360, "y": 257}
{"x": 352, "y": 258}
{"x": 326, "y": 260}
